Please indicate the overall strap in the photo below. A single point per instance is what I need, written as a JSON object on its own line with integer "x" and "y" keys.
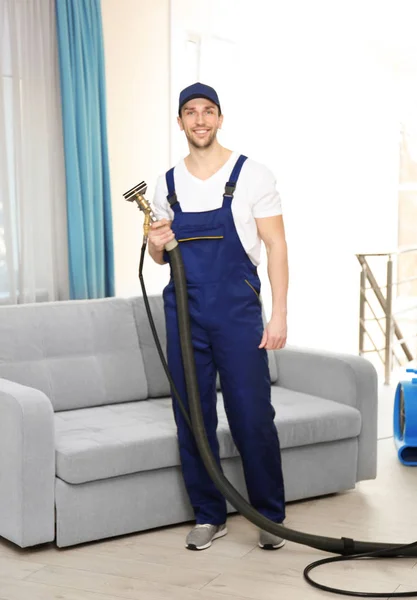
{"x": 172, "y": 196}
{"x": 231, "y": 184}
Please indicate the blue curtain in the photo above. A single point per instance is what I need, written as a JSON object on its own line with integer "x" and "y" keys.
{"x": 81, "y": 64}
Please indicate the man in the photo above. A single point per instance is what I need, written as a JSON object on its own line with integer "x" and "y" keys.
{"x": 220, "y": 206}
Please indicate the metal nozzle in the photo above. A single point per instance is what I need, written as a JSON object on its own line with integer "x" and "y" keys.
{"x": 137, "y": 194}
{"x": 138, "y": 189}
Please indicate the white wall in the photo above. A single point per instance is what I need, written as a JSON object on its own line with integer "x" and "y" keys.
{"x": 333, "y": 141}
{"x": 136, "y": 43}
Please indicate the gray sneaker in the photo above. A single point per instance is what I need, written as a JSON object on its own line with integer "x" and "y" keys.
{"x": 201, "y": 536}
{"x": 268, "y": 541}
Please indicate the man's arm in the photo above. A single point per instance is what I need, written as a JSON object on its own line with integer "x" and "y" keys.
{"x": 271, "y": 231}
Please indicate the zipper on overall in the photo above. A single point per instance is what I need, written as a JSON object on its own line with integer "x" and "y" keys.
{"x": 202, "y": 237}
{"x": 251, "y": 286}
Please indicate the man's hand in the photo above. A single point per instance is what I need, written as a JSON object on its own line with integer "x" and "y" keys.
{"x": 275, "y": 334}
{"x": 160, "y": 234}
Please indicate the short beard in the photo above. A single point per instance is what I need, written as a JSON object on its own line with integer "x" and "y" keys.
{"x": 207, "y": 144}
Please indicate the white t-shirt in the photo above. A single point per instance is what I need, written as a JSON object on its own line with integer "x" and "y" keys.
{"x": 255, "y": 196}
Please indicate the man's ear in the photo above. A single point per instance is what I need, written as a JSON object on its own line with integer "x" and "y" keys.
{"x": 220, "y": 121}
{"x": 179, "y": 121}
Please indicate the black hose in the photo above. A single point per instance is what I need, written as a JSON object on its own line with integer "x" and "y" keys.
{"x": 157, "y": 342}
{"x": 346, "y": 547}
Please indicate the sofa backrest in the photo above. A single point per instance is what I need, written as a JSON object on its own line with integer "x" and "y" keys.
{"x": 79, "y": 353}
{"x": 158, "y": 384}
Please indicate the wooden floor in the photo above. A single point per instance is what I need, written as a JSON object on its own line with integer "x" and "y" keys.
{"x": 156, "y": 566}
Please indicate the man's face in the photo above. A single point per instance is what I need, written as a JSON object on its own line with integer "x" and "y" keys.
{"x": 200, "y": 121}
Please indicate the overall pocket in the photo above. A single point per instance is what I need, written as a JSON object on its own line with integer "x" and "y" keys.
{"x": 254, "y": 290}
{"x": 202, "y": 249}
{"x": 191, "y": 234}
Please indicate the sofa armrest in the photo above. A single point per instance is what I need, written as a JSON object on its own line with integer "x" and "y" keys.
{"x": 27, "y": 465}
{"x": 343, "y": 378}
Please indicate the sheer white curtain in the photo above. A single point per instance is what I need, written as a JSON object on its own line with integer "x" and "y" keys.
{"x": 33, "y": 238}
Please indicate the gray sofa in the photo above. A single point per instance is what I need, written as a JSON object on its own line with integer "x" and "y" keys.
{"x": 88, "y": 444}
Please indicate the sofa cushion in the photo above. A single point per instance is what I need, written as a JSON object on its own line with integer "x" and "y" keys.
{"x": 158, "y": 384}
{"x": 79, "y": 353}
{"x": 102, "y": 442}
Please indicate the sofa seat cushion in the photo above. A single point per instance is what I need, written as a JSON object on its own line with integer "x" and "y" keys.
{"x": 108, "y": 441}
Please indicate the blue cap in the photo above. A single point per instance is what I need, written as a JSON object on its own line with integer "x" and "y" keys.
{"x": 198, "y": 90}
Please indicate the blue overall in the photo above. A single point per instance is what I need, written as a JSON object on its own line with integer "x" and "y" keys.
{"x": 227, "y": 327}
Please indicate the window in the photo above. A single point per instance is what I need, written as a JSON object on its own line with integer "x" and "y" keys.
{"x": 8, "y": 210}
{"x": 33, "y": 267}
